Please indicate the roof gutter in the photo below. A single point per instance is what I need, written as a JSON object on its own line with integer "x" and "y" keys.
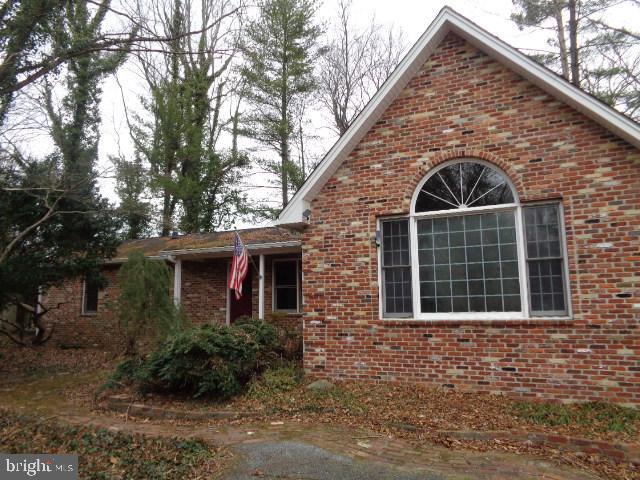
{"x": 119, "y": 260}
{"x": 229, "y": 248}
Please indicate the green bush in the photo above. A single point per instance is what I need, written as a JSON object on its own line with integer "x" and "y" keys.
{"x": 144, "y": 307}
{"x": 276, "y": 380}
{"x": 211, "y": 360}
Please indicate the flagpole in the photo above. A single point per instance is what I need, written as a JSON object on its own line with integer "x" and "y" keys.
{"x": 249, "y": 254}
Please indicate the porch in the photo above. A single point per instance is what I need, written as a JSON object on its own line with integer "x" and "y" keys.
{"x": 272, "y": 289}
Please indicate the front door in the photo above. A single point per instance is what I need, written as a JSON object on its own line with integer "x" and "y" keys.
{"x": 242, "y": 307}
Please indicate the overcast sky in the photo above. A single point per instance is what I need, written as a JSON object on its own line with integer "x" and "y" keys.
{"x": 412, "y": 16}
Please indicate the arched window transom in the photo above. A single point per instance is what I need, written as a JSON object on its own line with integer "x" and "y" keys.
{"x": 464, "y": 184}
{"x": 470, "y": 250}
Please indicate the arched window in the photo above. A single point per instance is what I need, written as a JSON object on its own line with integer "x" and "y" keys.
{"x": 463, "y": 251}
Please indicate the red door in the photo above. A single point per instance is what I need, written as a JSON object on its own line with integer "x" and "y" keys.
{"x": 242, "y": 307}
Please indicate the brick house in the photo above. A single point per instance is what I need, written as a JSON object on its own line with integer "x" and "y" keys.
{"x": 200, "y": 264}
{"x": 478, "y": 227}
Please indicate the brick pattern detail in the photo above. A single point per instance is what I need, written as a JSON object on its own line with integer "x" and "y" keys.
{"x": 204, "y": 290}
{"x": 462, "y": 103}
{"x": 75, "y": 329}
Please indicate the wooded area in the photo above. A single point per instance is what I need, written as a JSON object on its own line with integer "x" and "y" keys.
{"x": 229, "y": 88}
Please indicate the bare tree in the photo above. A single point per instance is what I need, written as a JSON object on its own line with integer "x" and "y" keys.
{"x": 30, "y": 50}
{"x": 358, "y": 62}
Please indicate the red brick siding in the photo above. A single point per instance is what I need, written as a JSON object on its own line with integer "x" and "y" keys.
{"x": 462, "y": 103}
{"x": 204, "y": 290}
{"x": 72, "y": 327}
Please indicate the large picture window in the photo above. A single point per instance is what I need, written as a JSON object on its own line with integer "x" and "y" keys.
{"x": 463, "y": 251}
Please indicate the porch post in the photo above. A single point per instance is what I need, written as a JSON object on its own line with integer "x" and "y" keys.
{"x": 261, "y": 290}
{"x": 177, "y": 282}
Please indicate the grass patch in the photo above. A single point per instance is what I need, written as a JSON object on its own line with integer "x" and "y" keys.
{"x": 597, "y": 415}
{"x": 105, "y": 455}
{"x": 275, "y": 380}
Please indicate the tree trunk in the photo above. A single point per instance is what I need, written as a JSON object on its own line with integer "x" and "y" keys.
{"x": 284, "y": 128}
{"x": 166, "y": 214}
{"x": 562, "y": 42}
{"x": 284, "y": 146}
{"x": 573, "y": 43}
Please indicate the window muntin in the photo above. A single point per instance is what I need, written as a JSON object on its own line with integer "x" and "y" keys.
{"x": 484, "y": 220}
{"x": 396, "y": 268}
{"x": 468, "y": 263}
{"x": 286, "y": 285}
{"x": 91, "y": 290}
{"x": 545, "y": 260}
{"x": 463, "y": 185}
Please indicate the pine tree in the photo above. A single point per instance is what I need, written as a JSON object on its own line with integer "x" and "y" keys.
{"x": 132, "y": 188}
{"x": 280, "y": 48}
{"x": 586, "y": 50}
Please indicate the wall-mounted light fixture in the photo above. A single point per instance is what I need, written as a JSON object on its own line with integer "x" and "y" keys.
{"x": 307, "y": 215}
{"x": 378, "y": 238}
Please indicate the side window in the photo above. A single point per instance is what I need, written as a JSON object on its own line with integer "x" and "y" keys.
{"x": 545, "y": 260}
{"x": 90, "y": 296}
{"x": 396, "y": 269}
{"x": 286, "y": 285}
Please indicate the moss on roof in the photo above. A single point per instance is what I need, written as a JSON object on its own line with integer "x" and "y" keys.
{"x": 250, "y": 236}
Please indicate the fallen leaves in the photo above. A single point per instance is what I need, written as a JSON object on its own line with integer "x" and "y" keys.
{"x": 104, "y": 454}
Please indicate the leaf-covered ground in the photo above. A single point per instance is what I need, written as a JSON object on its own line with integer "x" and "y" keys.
{"x": 416, "y": 413}
{"x": 106, "y": 455}
{"x": 418, "y": 407}
{"x": 18, "y": 362}
{"x": 420, "y": 414}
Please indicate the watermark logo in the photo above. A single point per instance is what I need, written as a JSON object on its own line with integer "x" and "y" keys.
{"x": 49, "y": 467}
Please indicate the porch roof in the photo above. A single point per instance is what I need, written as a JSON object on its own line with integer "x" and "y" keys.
{"x": 262, "y": 239}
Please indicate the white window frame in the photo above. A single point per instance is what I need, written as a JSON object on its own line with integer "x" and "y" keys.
{"x": 84, "y": 298}
{"x": 525, "y": 313}
{"x": 273, "y": 284}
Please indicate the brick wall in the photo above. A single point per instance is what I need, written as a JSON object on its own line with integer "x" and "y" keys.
{"x": 73, "y": 328}
{"x": 204, "y": 290}
{"x": 464, "y": 104}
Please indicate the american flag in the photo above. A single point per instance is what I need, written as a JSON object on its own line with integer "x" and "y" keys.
{"x": 239, "y": 267}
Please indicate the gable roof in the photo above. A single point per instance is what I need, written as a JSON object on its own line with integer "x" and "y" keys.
{"x": 448, "y": 20}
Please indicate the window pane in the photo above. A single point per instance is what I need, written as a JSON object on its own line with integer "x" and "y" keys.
{"x": 461, "y": 185}
{"x": 462, "y": 267}
{"x": 396, "y": 269}
{"x": 286, "y": 276}
{"x": 286, "y": 273}
{"x": 395, "y": 243}
{"x": 91, "y": 297}
{"x": 545, "y": 259}
{"x": 286, "y": 298}
{"x": 397, "y": 290}
{"x": 547, "y": 287}
{"x": 543, "y": 231}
